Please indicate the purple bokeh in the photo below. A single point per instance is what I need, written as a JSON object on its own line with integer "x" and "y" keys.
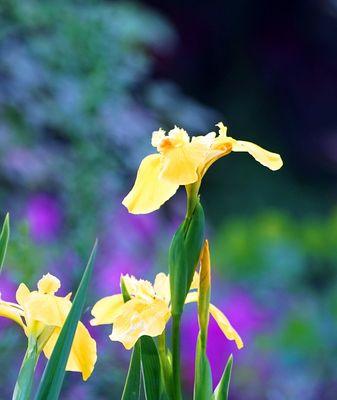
{"x": 7, "y": 292}
{"x": 44, "y": 217}
{"x": 246, "y": 316}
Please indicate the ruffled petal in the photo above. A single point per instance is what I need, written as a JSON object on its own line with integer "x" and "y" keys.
{"x": 140, "y": 318}
{"x": 149, "y": 191}
{"x": 181, "y": 164}
{"x": 49, "y": 284}
{"x": 48, "y": 309}
{"x": 162, "y": 287}
{"x": 270, "y": 160}
{"x": 107, "y": 309}
{"x": 83, "y": 354}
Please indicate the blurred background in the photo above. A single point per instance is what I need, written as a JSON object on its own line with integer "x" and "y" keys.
{"x": 82, "y": 86}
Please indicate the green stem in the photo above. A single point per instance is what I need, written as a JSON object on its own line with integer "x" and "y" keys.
{"x": 177, "y": 394}
{"x": 192, "y": 197}
{"x": 165, "y": 364}
{"x": 25, "y": 379}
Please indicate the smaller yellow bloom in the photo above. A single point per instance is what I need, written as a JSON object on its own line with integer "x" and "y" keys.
{"x": 41, "y": 314}
{"x": 148, "y": 311}
{"x": 181, "y": 160}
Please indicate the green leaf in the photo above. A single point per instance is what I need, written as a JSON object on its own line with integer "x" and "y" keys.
{"x": 4, "y": 238}
{"x": 151, "y": 369}
{"x": 221, "y": 391}
{"x": 203, "y": 374}
{"x": 133, "y": 380}
{"x": 52, "y": 379}
{"x": 25, "y": 378}
{"x": 184, "y": 255}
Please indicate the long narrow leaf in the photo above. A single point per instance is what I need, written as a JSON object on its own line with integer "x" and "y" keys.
{"x": 133, "y": 380}
{"x": 221, "y": 391}
{"x": 4, "y": 238}
{"x": 52, "y": 379}
{"x": 203, "y": 374}
{"x": 150, "y": 368}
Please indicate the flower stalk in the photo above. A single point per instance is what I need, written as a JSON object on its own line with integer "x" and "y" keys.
{"x": 166, "y": 364}
{"x": 176, "y": 368}
{"x": 25, "y": 378}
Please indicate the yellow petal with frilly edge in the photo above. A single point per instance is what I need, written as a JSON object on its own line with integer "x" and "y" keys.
{"x": 181, "y": 164}
{"x": 83, "y": 354}
{"x": 49, "y": 284}
{"x": 149, "y": 191}
{"x": 162, "y": 287}
{"x": 140, "y": 318}
{"x": 48, "y": 309}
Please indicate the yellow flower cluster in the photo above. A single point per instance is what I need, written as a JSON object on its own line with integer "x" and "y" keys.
{"x": 148, "y": 310}
{"x": 41, "y": 314}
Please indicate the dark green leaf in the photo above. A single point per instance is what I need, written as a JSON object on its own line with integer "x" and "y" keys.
{"x": 133, "y": 380}
{"x": 151, "y": 368}
{"x": 52, "y": 379}
{"x": 221, "y": 391}
{"x": 184, "y": 255}
{"x": 4, "y": 238}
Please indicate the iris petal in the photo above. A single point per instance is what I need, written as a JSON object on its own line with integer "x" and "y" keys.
{"x": 149, "y": 191}
{"x": 270, "y": 160}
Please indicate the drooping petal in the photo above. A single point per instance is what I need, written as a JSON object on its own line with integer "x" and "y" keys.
{"x": 9, "y": 310}
{"x": 83, "y": 354}
{"x": 140, "y": 318}
{"x": 149, "y": 191}
{"x": 225, "y": 326}
{"x": 49, "y": 284}
{"x": 221, "y": 320}
{"x": 270, "y": 160}
{"x": 180, "y": 164}
{"x": 107, "y": 309}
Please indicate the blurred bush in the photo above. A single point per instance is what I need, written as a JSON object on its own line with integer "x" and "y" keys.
{"x": 77, "y": 106}
{"x": 288, "y": 266}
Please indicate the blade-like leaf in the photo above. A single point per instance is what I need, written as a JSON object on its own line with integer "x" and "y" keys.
{"x": 52, "y": 379}
{"x": 4, "y": 238}
{"x": 221, "y": 391}
{"x": 203, "y": 374}
{"x": 150, "y": 368}
{"x": 133, "y": 380}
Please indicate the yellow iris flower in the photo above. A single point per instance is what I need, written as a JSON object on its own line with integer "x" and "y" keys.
{"x": 182, "y": 160}
{"x": 41, "y": 314}
{"x": 148, "y": 311}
